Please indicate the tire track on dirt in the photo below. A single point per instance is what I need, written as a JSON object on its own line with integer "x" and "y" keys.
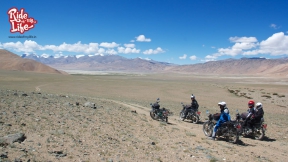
{"x": 265, "y": 150}
{"x": 243, "y": 147}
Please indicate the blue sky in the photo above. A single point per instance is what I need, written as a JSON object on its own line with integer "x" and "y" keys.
{"x": 175, "y": 31}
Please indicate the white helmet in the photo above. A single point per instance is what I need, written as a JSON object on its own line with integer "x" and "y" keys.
{"x": 258, "y": 105}
{"x": 222, "y": 103}
{"x": 192, "y": 96}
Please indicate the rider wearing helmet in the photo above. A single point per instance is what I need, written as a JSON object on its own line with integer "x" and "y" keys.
{"x": 156, "y": 105}
{"x": 255, "y": 115}
{"x": 194, "y": 106}
{"x": 224, "y": 117}
{"x": 259, "y": 112}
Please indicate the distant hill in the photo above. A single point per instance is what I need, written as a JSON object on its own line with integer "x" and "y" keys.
{"x": 250, "y": 66}
{"x": 11, "y": 61}
{"x": 100, "y": 63}
{"x": 245, "y": 66}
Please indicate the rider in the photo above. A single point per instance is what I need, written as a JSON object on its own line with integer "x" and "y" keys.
{"x": 254, "y": 116}
{"x": 224, "y": 117}
{"x": 194, "y": 106}
{"x": 156, "y": 106}
{"x": 248, "y": 120}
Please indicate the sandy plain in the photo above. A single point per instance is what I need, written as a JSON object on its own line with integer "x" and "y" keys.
{"x": 59, "y": 130}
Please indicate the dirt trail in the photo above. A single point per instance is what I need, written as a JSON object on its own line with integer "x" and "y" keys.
{"x": 250, "y": 148}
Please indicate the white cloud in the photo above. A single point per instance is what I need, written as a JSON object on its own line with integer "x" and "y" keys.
{"x": 274, "y": 26}
{"x": 111, "y": 52}
{"x": 128, "y": 50}
{"x": 151, "y": 51}
{"x": 213, "y": 47}
{"x": 193, "y": 57}
{"x": 101, "y": 51}
{"x": 210, "y": 58}
{"x": 183, "y": 57}
{"x": 132, "y": 41}
{"x": 109, "y": 45}
{"x": 141, "y": 38}
{"x": 277, "y": 44}
{"x": 28, "y": 46}
{"x": 129, "y": 45}
{"x": 243, "y": 39}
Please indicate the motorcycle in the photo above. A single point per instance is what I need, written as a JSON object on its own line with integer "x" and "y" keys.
{"x": 258, "y": 131}
{"x": 194, "y": 116}
{"x": 228, "y": 130}
{"x": 159, "y": 114}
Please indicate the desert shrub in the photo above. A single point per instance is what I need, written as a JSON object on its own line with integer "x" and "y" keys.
{"x": 281, "y": 95}
{"x": 267, "y": 96}
{"x": 231, "y": 91}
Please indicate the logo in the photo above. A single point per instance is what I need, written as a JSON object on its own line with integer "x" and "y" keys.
{"x": 19, "y": 20}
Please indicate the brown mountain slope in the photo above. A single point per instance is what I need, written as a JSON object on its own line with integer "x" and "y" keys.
{"x": 244, "y": 66}
{"x": 11, "y": 61}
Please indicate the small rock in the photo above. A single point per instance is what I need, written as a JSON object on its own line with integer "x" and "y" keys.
{"x": 11, "y": 138}
{"x": 153, "y": 143}
{"x": 24, "y": 95}
{"x": 3, "y": 155}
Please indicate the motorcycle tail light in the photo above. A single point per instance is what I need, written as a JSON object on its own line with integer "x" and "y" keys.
{"x": 265, "y": 126}
{"x": 198, "y": 112}
{"x": 238, "y": 126}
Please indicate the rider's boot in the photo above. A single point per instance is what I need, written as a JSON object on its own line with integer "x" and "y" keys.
{"x": 213, "y": 135}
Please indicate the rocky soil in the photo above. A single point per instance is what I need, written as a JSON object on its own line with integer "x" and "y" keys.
{"x": 54, "y": 127}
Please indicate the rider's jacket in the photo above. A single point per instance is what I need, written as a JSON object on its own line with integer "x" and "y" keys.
{"x": 224, "y": 116}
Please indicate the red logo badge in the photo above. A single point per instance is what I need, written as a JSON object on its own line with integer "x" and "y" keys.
{"x": 19, "y": 20}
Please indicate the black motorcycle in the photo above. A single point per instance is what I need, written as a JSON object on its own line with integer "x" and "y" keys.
{"x": 192, "y": 115}
{"x": 229, "y": 130}
{"x": 159, "y": 114}
{"x": 258, "y": 131}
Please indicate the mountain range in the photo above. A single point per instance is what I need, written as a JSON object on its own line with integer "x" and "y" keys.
{"x": 250, "y": 66}
{"x": 45, "y": 63}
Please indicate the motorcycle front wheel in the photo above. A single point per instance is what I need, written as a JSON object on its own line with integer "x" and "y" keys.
{"x": 208, "y": 128}
{"x": 153, "y": 115}
{"x": 181, "y": 116}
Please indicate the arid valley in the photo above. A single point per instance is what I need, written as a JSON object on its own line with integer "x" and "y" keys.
{"x": 105, "y": 117}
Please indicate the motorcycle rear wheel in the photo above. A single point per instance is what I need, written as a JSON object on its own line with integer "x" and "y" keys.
{"x": 196, "y": 119}
{"x": 234, "y": 137}
{"x": 259, "y": 135}
{"x": 208, "y": 129}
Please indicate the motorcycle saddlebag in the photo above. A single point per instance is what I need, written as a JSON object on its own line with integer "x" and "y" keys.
{"x": 244, "y": 115}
